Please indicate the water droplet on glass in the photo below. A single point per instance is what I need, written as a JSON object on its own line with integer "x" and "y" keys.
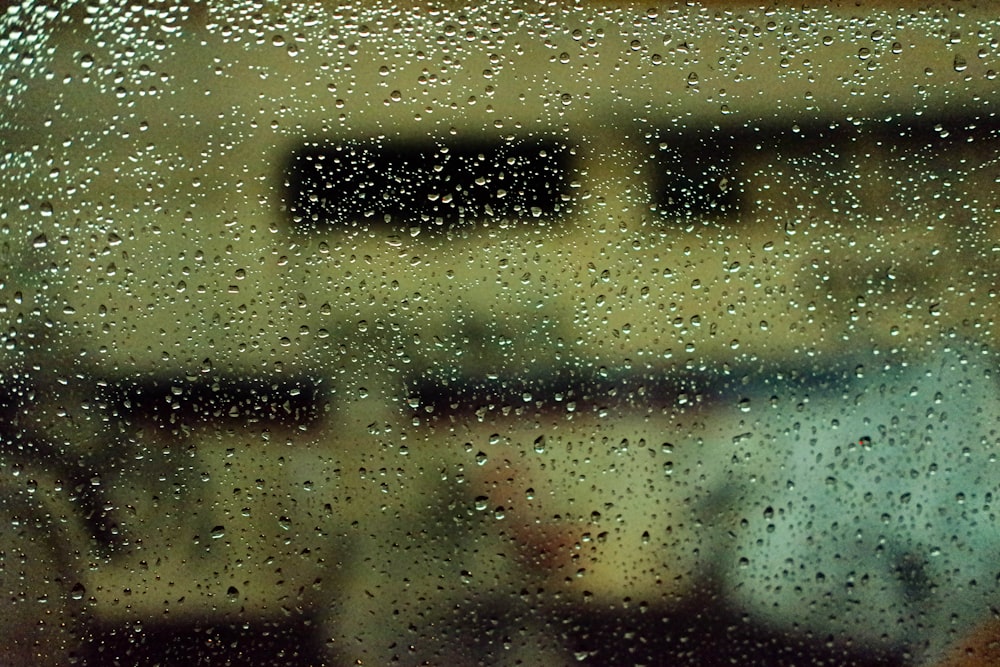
{"x": 78, "y": 591}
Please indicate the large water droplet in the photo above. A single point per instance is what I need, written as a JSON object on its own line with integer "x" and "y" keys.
{"x": 78, "y": 591}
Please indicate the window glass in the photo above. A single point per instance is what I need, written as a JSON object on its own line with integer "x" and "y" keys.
{"x": 542, "y": 335}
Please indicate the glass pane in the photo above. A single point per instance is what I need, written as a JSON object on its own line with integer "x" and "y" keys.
{"x": 613, "y": 335}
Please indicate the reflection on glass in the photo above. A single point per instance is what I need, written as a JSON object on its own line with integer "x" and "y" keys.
{"x": 356, "y": 335}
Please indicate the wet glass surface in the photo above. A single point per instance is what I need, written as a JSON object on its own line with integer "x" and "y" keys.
{"x": 612, "y": 335}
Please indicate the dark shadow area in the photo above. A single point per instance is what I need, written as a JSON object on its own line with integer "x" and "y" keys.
{"x": 707, "y": 635}
{"x": 189, "y": 400}
{"x": 700, "y": 171}
{"x": 699, "y": 634}
{"x": 554, "y": 388}
{"x": 262, "y": 643}
{"x": 436, "y": 186}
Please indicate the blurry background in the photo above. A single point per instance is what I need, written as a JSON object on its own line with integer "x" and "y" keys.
{"x": 360, "y": 334}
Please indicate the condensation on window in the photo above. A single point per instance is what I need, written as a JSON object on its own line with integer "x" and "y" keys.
{"x": 540, "y": 335}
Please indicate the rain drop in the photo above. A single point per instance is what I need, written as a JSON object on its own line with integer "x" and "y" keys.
{"x": 78, "y": 591}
